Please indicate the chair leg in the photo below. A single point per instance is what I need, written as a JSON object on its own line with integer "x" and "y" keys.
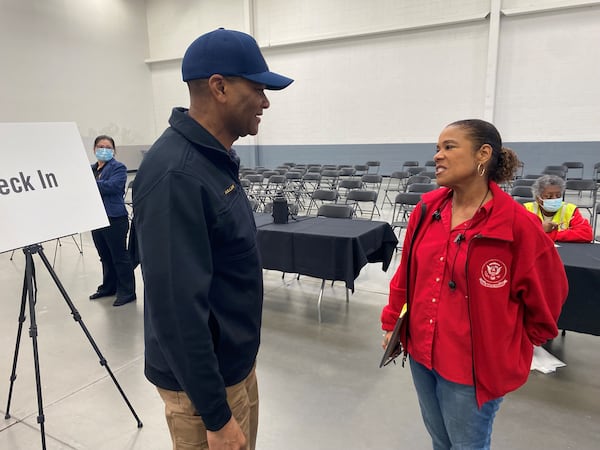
{"x": 385, "y": 197}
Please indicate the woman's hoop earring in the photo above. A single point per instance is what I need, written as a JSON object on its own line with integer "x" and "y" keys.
{"x": 480, "y": 169}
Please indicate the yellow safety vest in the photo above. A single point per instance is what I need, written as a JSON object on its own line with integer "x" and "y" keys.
{"x": 562, "y": 217}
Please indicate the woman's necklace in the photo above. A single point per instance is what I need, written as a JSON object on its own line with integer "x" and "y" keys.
{"x": 469, "y": 219}
{"x": 462, "y": 237}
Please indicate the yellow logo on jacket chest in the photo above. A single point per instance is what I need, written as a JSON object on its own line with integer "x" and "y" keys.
{"x": 230, "y": 189}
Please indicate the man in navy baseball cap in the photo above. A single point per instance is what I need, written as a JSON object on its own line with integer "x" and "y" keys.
{"x": 229, "y": 53}
{"x": 196, "y": 240}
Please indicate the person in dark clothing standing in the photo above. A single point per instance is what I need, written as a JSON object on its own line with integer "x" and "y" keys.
{"x": 196, "y": 242}
{"x": 110, "y": 241}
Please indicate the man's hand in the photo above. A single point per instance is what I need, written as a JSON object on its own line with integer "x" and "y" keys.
{"x": 230, "y": 437}
{"x": 550, "y": 226}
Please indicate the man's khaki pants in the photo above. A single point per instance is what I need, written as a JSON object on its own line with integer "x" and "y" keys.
{"x": 186, "y": 426}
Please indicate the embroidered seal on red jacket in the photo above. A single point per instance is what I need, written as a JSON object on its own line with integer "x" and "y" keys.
{"x": 493, "y": 274}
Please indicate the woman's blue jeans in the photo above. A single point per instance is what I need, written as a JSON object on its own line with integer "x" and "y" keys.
{"x": 450, "y": 411}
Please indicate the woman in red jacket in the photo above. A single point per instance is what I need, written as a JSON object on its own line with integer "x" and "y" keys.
{"x": 474, "y": 276}
{"x": 562, "y": 221}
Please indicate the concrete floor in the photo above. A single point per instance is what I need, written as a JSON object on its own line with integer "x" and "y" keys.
{"x": 320, "y": 384}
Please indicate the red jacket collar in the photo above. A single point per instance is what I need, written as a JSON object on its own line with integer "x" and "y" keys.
{"x": 500, "y": 222}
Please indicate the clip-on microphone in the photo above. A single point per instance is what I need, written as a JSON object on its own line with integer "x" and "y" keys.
{"x": 459, "y": 238}
{"x": 437, "y": 215}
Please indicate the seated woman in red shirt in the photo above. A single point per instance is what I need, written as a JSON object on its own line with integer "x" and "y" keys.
{"x": 561, "y": 220}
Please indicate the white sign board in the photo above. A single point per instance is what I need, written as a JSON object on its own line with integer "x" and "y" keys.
{"x": 47, "y": 189}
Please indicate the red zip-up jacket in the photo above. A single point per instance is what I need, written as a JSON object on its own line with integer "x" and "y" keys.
{"x": 516, "y": 286}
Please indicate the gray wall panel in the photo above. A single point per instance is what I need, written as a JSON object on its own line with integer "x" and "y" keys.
{"x": 535, "y": 155}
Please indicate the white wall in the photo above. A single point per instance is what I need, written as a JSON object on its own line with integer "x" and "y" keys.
{"x": 382, "y": 71}
{"x": 77, "y": 60}
{"x": 395, "y": 88}
{"x": 387, "y": 71}
{"x": 512, "y": 6}
{"x": 172, "y": 26}
{"x": 284, "y": 22}
{"x": 549, "y": 83}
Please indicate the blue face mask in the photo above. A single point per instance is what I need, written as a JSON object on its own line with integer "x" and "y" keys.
{"x": 104, "y": 154}
{"x": 552, "y": 204}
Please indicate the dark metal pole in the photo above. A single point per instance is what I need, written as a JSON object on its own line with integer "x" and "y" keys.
{"x": 79, "y": 320}
{"x": 13, "y": 374}
{"x": 29, "y": 295}
{"x": 30, "y": 277}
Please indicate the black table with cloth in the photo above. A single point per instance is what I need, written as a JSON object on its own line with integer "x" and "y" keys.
{"x": 326, "y": 248}
{"x": 581, "y": 311}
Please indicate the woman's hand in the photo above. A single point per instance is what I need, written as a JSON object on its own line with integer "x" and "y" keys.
{"x": 386, "y": 339}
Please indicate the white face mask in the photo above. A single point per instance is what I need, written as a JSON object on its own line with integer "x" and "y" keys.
{"x": 552, "y": 204}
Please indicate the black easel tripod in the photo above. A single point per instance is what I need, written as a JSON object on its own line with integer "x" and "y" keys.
{"x": 30, "y": 293}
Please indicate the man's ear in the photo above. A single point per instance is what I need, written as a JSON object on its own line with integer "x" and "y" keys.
{"x": 216, "y": 86}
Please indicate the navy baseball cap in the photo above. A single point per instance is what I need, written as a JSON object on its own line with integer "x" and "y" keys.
{"x": 229, "y": 53}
